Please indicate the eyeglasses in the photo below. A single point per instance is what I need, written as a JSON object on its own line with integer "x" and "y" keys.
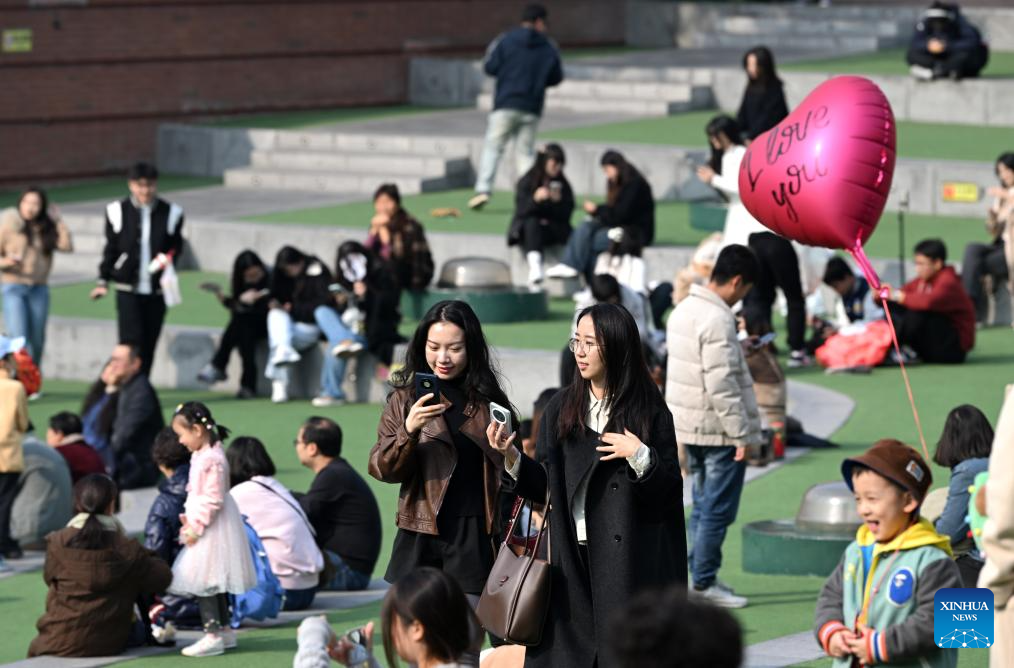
{"x": 576, "y": 344}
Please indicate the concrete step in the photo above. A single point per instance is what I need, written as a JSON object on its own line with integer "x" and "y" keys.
{"x": 755, "y": 25}
{"x": 369, "y": 143}
{"x": 360, "y": 163}
{"x": 316, "y": 181}
{"x": 634, "y": 107}
{"x": 801, "y": 40}
{"x": 619, "y": 89}
{"x": 85, "y": 264}
{"x": 89, "y": 242}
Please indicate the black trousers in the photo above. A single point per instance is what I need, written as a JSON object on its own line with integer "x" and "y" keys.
{"x": 214, "y": 612}
{"x": 931, "y": 335}
{"x": 536, "y": 234}
{"x": 140, "y": 318}
{"x": 963, "y": 63}
{"x": 8, "y": 490}
{"x": 779, "y": 268}
{"x": 982, "y": 260}
{"x": 243, "y": 332}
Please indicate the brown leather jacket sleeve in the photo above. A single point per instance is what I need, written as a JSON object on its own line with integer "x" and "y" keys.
{"x": 393, "y": 457}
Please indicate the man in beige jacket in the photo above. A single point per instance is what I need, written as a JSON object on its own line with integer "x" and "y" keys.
{"x": 998, "y": 536}
{"x": 710, "y": 393}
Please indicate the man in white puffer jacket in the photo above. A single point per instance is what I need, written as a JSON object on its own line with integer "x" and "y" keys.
{"x": 710, "y": 393}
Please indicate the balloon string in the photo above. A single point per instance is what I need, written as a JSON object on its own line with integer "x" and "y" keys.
{"x": 904, "y": 374}
{"x": 866, "y": 267}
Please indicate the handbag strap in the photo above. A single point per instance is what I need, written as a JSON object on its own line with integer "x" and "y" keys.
{"x": 299, "y": 511}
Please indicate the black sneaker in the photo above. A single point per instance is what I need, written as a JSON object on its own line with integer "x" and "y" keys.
{"x": 13, "y": 553}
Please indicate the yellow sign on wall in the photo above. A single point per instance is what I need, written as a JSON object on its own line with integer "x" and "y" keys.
{"x": 957, "y": 191}
{"x": 17, "y": 40}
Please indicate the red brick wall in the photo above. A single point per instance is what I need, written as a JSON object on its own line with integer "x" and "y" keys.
{"x": 103, "y": 74}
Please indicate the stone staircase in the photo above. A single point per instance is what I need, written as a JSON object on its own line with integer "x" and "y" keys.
{"x": 624, "y": 97}
{"x": 89, "y": 239}
{"x": 342, "y": 163}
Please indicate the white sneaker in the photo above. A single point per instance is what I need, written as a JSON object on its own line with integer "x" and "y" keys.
{"x": 562, "y": 271}
{"x": 35, "y": 396}
{"x": 164, "y": 634}
{"x": 347, "y": 348}
{"x": 285, "y": 355}
{"x": 323, "y": 401}
{"x": 208, "y": 645}
{"x": 921, "y": 73}
{"x": 228, "y": 637}
{"x": 478, "y": 201}
{"x": 720, "y": 596}
{"x": 279, "y": 392}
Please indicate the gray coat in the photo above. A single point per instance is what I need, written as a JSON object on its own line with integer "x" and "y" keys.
{"x": 636, "y": 535}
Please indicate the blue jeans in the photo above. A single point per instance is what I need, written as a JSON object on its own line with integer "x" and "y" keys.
{"x": 299, "y": 599}
{"x": 718, "y": 484}
{"x": 345, "y": 577}
{"x": 584, "y": 246}
{"x": 330, "y": 323}
{"x": 26, "y": 309}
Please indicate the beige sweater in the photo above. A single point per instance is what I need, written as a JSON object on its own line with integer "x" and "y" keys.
{"x": 35, "y": 265}
{"x": 13, "y": 424}
{"x": 998, "y": 532}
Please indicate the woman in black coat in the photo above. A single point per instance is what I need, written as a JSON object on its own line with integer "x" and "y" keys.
{"x": 607, "y": 452}
{"x": 543, "y": 205}
{"x": 628, "y": 213}
{"x": 763, "y": 106}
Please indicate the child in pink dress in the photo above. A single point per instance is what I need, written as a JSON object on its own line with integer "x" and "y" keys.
{"x": 215, "y": 560}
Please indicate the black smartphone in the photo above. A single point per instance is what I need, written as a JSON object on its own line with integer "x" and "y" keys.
{"x": 426, "y": 383}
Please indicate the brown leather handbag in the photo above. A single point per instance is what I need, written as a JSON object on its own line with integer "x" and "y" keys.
{"x": 515, "y": 599}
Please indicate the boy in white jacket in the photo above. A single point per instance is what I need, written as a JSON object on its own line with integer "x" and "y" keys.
{"x": 710, "y": 393}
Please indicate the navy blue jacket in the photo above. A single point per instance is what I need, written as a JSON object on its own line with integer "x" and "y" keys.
{"x": 162, "y": 529}
{"x": 960, "y": 35}
{"x": 525, "y": 62}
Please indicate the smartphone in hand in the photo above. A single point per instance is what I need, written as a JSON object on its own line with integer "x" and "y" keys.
{"x": 427, "y": 383}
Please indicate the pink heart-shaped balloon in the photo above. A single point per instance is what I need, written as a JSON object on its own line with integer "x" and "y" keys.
{"x": 822, "y": 175}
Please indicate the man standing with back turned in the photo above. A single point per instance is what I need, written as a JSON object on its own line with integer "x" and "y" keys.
{"x": 525, "y": 62}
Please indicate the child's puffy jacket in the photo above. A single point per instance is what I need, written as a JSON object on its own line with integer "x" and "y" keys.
{"x": 909, "y": 570}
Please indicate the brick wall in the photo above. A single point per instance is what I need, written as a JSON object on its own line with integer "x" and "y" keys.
{"x": 103, "y": 73}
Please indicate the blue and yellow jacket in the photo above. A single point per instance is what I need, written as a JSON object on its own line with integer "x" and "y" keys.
{"x": 889, "y": 588}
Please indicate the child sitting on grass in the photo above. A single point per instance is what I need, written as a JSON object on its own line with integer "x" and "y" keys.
{"x": 877, "y": 606}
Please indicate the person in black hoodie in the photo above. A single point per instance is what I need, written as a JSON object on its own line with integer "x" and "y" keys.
{"x": 628, "y": 213}
{"x": 763, "y": 106}
{"x": 248, "y": 321}
{"x": 302, "y": 309}
{"x": 945, "y": 44}
{"x": 543, "y": 205}
{"x": 373, "y": 292}
{"x": 138, "y": 419}
{"x": 135, "y": 267}
{"x": 525, "y": 62}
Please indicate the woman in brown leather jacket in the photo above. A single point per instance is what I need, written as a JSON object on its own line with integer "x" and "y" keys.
{"x": 448, "y": 506}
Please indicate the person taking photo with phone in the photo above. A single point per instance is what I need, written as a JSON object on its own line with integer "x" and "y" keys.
{"x": 607, "y": 448}
{"x": 433, "y": 443}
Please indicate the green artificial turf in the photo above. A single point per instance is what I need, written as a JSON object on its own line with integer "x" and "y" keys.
{"x": 296, "y": 120}
{"x": 110, "y": 188}
{"x": 932, "y": 141}
{"x": 892, "y": 61}
{"x": 672, "y": 218}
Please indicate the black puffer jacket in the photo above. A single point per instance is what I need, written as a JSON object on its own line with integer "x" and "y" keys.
{"x": 162, "y": 529}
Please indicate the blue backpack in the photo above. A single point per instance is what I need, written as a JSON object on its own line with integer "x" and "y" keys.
{"x": 264, "y": 601}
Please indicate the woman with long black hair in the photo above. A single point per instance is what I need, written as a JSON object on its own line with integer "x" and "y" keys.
{"x": 608, "y": 447}
{"x": 248, "y": 322}
{"x": 29, "y": 235}
{"x": 448, "y": 506}
{"x": 628, "y": 213}
{"x": 543, "y": 205}
{"x": 763, "y": 106}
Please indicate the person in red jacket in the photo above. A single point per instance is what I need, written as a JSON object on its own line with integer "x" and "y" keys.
{"x": 64, "y": 435}
{"x": 933, "y": 315}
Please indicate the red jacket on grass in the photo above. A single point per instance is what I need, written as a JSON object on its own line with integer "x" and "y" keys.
{"x": 944, "y": 294}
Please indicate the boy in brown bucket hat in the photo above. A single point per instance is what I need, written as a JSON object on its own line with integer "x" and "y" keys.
{"x": 877, "y": 606}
